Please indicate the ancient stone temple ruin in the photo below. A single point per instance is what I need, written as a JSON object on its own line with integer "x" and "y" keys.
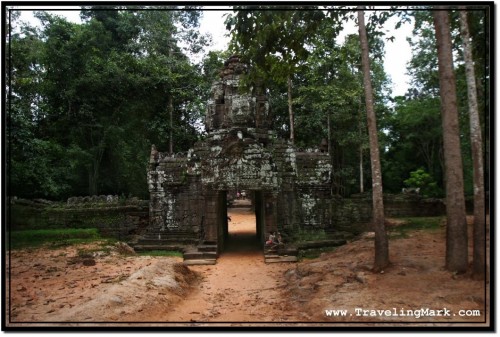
{"x": 290, "y": 189}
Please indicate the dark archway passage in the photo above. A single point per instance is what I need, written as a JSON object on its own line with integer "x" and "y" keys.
{"x": 241, "y": 151}
{"x": 243, "y": 228}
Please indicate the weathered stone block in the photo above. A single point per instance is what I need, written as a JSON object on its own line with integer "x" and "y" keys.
{"x": 239, "y": 152}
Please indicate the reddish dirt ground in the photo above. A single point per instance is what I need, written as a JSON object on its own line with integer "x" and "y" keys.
{"x": 52, "y": 287}
{"x": 416, "y": 279}
{"x": 240, "y": 287}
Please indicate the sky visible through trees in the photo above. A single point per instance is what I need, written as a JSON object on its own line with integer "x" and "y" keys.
{"x": 398, "y": 52}
{"x": 129, "y": 79}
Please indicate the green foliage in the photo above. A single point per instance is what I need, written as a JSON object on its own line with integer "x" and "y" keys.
{"x": 331, "y": 90}
{"x": 212, "y": 63}
{"x": 414, "y": 224}
{"x": 414, "y": 139}
{"x": 52, "y": 237}
{"x": 275, "y": 43}
{"x": 273, "y": 40}
{"x": 423, "y": 66}
{"x": 423, "y": 180}
{"x": 39, "y": 171}
{"x": 304, "y": 235}
{"x": 161, "y": 253}
{"x": 422, "y": 99}
{"x": 327, "y": 83}
{"x": 88, "y": 100}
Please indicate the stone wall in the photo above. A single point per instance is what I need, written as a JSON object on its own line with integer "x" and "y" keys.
{"x": 336, "y": 217}
{"x": 236, "y": 159}
{"x": 320, "y": 216}
{"x": 188, "y": 192}
{"x": 402, "y": 205}
{"x": 120, "y": 220}
{"x": 240, "y": 152}
{"x": 175, "y": 205}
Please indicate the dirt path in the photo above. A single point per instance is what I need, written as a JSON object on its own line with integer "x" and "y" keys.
{"x": 50, "y": 285}
{"x": 55, "y": 287}
{"x": 239, "y": 288}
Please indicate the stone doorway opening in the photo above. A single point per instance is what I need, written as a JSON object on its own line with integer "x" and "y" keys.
{"x": 243, "y": 228}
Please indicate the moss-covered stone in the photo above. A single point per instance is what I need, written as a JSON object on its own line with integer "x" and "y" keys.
{"x": 292, "y": 188}
{"x": 121, "y": 222}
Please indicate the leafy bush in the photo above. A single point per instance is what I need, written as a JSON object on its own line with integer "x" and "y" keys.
{"x": 423, "y": 180}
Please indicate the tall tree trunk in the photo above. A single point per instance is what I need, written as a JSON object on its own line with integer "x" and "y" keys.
{"x": 478, "y": 256}
{"x": 456, "y": 228}
{"x": 381, "y": 242}
{"x": 330, "y": 153}
{"x": 329, "y": 135}
{"x": 171, "y": 111}
{"x": 93, "y": 176}
{"x": 171, "y": 117}
{"x": 290, "y": 110}
{"x": 361, "y": 179}
{"x": 97, "y": 149}
{"x": 360, "y": 128}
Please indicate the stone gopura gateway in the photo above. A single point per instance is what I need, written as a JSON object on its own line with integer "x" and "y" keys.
{"x": 290, "y": 189}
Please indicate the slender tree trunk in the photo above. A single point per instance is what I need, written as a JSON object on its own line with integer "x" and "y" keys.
{"x": 329, "y": 135}
{"x": 360, "y": 128}
{"x": 456, "y": 228}
{"x": 290, "y": 110}
{"x": 478, "y": 259}
{"x": 171, "y": 117}
{"x": 94, "y": 177}
{"x": 381, "y": 242}
{"x": 92, "y": 181}
{"x": 171, "y": 114}
{"x": 361, "y": 179}
{"x": 330, "y": 153}
{"x": 98, "y": 148}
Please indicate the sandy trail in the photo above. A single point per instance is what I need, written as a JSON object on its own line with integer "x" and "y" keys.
{"x": 48, "y": 286}
{"x": 240, "y": 287}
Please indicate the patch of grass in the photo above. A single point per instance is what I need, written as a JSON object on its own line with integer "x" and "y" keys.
{"x": 54, "y": 238}
{"x": 413, "y": 224}
{"x": 315, "y": 252}
{"x": 304, "y": 235}
{"x": 161, "y": 253}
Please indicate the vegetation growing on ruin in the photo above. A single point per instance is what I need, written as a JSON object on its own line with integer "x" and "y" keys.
{"x": 53, "y": 238}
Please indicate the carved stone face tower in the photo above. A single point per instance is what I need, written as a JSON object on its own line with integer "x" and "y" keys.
{"x": 228, "y": 107}
{"x": 237, "y": 125}
{"x": 290, "y": 189}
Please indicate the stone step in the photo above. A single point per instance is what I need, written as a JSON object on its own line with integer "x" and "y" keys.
{"x": 194, "y": 255}
{"x": 283, "y": 251}
{"x": 142, "y": 248}
{"x": 207, "y": 248}
{"x": 280, "y": 259}
{"x": 151, "y": 241}
{"x": 278, "y": 254}
{"x": 198, "y": 262}
{"x": 321, "y": 244}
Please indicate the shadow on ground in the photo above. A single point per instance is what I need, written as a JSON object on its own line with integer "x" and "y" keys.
{"x": 241, "y": 238}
